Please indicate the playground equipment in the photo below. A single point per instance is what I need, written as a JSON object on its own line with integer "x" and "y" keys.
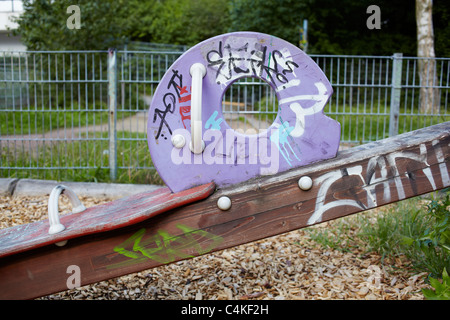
{"x": 224, "y": 188}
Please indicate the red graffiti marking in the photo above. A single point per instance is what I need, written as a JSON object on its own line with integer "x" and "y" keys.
{"x": 183, "y": 90}
{"x": 185, "y": 113}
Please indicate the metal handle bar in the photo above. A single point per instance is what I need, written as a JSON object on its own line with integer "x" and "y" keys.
{"x": 53, "y": 208}
{"x": 197, "y": 71}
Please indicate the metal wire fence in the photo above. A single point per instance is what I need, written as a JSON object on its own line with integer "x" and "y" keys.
{"x": 82, "y": 115}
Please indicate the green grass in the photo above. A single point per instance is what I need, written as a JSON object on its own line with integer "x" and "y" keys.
{"x": 23, "y": 122}
{"x": 338, "y": 237}
{"x": 84, "y": 160}
{"x": 384, "y": 231}
{"x": 361, "y": 124}
{"x": 385, "y": 234}
{"x": 20, "y": 122}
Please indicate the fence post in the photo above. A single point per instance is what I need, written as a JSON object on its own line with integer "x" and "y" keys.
{"x": 112, "y": 106}
{"x": 396, "y": 87}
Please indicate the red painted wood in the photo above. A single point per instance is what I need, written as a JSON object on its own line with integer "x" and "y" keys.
{"x": 116, "y": 214}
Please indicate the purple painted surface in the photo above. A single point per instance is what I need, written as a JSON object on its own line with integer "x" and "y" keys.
{"x": 301, "y": 134}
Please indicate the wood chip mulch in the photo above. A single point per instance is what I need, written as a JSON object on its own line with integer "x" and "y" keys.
{"x": 290, "y": 266}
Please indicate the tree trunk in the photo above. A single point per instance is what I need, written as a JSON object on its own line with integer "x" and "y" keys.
{"x": 429, "y": 96}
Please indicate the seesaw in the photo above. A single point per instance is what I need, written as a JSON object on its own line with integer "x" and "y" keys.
{"x": 224, "y": 188}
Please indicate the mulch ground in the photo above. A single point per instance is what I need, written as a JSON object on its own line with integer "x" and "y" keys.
{"x": 290, "y": 266}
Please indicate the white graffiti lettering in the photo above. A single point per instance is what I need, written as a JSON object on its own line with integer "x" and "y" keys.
{"x": 370, "y": 182}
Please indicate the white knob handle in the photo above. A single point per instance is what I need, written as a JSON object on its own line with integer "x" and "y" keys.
{"x": 305, "y": 183}
{"x": 197, "y": 71}
{"x": 224, "y": 203}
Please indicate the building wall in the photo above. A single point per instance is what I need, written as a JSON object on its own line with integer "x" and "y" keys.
{"x": 11, "y": 43}
{"x": 8, "y": 42}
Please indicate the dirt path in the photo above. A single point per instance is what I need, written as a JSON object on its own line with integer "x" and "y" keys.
{"x": 136, "y": 123}
{"x": 32, "y": 143}
{"x": 35, "y": 143}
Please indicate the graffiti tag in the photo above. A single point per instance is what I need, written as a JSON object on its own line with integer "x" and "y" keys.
{"x": 249, "y": 59}
{"x": 169, "y": 104}
{"x": 166, "y": 248}
{"x": 169, "y": 101}
{"x": 371, "y": 180}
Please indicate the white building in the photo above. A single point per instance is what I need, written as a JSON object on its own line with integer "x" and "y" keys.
{"x": 9, "y": 9}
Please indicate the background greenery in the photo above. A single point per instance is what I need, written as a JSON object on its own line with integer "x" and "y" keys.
{"x": 335, "y": 27}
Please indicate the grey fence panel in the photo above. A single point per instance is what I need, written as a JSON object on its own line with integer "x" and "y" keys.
{"x": 360, "y": 102}
{"x": 139, "y": 74}
{"x": 425, "y": 95}
{"x": 53, "y": 109}
{"x": 56, "y": 119}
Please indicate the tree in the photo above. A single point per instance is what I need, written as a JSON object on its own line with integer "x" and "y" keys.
{"x": 43, "y": 25}
{"x": 333, "y": 27}
{"x": 279, "y": 18}
{"x": 184, "y": 22}
{"x": 441, "y": 16}
{"x": 205, "y": 19}
{"x": 429, "y": 96}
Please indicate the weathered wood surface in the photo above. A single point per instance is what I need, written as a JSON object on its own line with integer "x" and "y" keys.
{"x": 115, "y": 214}
{"x": 358, "y": 179}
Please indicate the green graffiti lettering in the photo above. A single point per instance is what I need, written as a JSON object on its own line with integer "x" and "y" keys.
{"x": 203, "y": 235}
{"x": 136, "y": 238}
{"x": 165, "y": 248}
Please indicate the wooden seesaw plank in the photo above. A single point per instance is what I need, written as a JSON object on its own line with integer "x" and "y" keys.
{"x": 358, "y": 179}
{"x": 112, "y": 215}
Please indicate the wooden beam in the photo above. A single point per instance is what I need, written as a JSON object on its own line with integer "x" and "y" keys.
{"x": 356, "y": 180}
